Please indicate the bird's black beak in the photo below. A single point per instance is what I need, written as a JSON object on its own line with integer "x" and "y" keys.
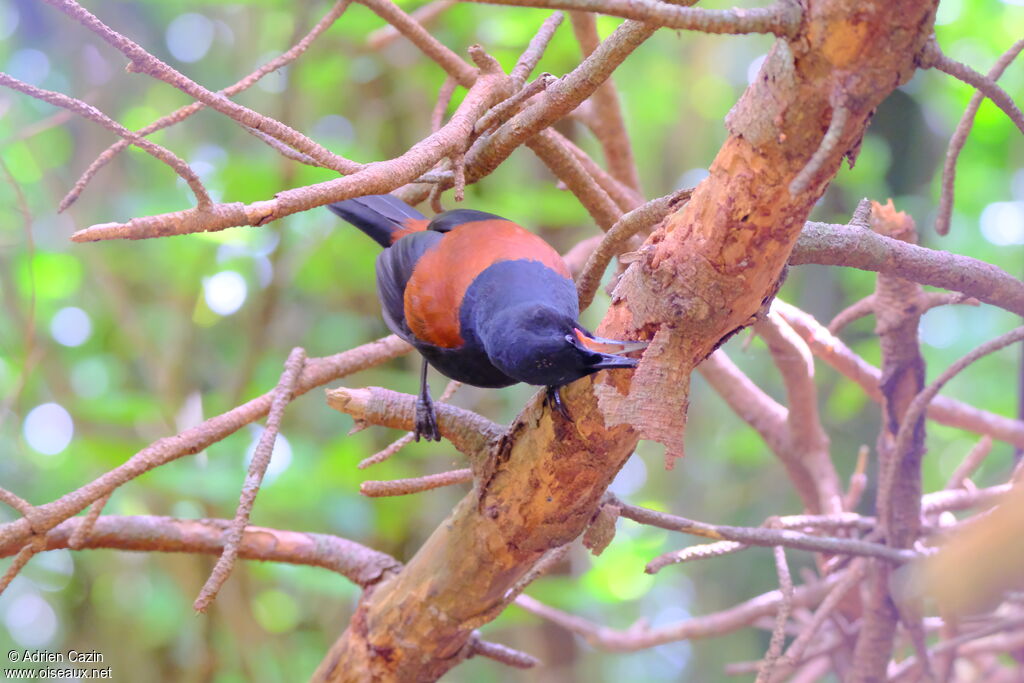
{"x": 605, "y": 352}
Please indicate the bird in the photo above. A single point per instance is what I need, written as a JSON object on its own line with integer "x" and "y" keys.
{"x": 484, "y": 301}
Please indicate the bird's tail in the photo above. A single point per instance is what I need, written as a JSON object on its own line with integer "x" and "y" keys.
{"x": 383, "y": 217}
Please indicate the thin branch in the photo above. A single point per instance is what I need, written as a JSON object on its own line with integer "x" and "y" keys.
{"x": 971, "y": 462}
{"x": 404, "y": 487}
{"x": 82, "y": 531}
{"x": 640, "y": 637}
{"x": 959, "y": 139}
{"x": 807, "y": 437}
{"x": 407, "y": 438}
{"x": 855, "y": 311}
{"x": 358, "y": 563}
{"x": 781, "y": 18}
{"x": 934, "y": 58}
{"x": 921, "y": 401}
{"x": 829, "y": 143}
{"x": 282, "y": 396}
{"x": 503, "y": 111}
{"x": 317, "y": 372}
{"x": 766, "y": 537}
{"x": 423, "y": 15}
{"x": 858, "y": 480}
{"x": 93, "y": 114}
{"x": 184, "y": 112}
{"x": 943, "y": 409}
{"x": 375, "y": 178}
{"x": 616, "y": 238}
{"x": 840, "y": 245}
{"x": 626, "y": 197}
{"x": 567, "y": 168}
{"x": 503, "y": 653}
{"x": 454, "y": 65}
{"x": 444, "y": 98}
{"x": 609, "y": 126}
{"x": 15, "y": 501}
{"x": 26, "y": 553}
{"x": 700, "y": 551}
{"x": 144, "y": 62}
{"x": 778, "y": 639}
{"x": 527, "y": 61}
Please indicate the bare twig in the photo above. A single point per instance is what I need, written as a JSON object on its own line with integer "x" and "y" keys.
{"x": 404, "y": 487}
{"x": 840, "y": 116}
{"x": 959, "y": 139}
{"x": 567, "y": 168}
{"x": 527, "y": 62}
{"x": 782, "y": 18}
{"x": 93, "y": 114}
{"x": 943, "y": 410}
{"x": 852, "y": 313}
{"x": 82, "y": 531}
{"x": 407, "y": 438}
{"x": 781, "y": 617}
{"x": 934, "y": 58}
{"x": 640, "y": 637}
{"x": 765, "y": 537}
{"x": 971, "y": 462}
{"x": 618, "y": 235}
{"x": 184, "y": 112}
{"x": 409, "y": 27}
{"x": 15, "y": 501}
{"x": 609, "y": 126}
{"x": 26, "y": 553}
{"x": 283, "y": 394}
{"x": 840, "y": 245}
{"x": 144, "y": 62}
{"x": 858, "y": 480}
{"x": 444, "y": 98}
{"x": 700, "y": 551}
{"x": 424, "y": 15}
{"x": 503, "y": 654}
{"x": 501, "y": 112}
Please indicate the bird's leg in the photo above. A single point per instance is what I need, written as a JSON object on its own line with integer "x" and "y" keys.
{"x": 554, "y": 399}
{"x": 426, "y": 416}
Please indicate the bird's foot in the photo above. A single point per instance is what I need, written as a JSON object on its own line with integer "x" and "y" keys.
{"x": 426, "y": 420}
{"x": 554, "y": 399}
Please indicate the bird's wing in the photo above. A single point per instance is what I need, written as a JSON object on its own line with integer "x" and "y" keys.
{"x": 394, "y": 268}
{"x": 449, "y": 220}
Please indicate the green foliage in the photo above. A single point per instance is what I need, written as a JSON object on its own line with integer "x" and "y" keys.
{"x": 160, "y": 357}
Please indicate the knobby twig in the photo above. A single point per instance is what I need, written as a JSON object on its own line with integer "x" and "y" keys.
{"x": 93, "y": 114}
{"x": 934, "y": 58}
{"x": 404, "y": 440}
{"x": 501, "y": 112}
{"x": 829, "y": 143}
{"x": 778, "y": 638}
{"x": 971, "y": 462}
{"x": 404, "y": 487}
{"x": 765, "y": 537}
{"x": 503, "y": 653}
{"x": 423, "y": 15}
{"x": 257, "y": 468}
{"x": 82, "y": 531}
{"x": 527, "y": 62}
{"x": 609, "y": 126}
{"x": 781, "y": 18}
{"x": 959, "y": 139}
{"x": 184, "y": 112}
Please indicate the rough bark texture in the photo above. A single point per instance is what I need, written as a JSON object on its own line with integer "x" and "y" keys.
{"x": 700, "y": 277}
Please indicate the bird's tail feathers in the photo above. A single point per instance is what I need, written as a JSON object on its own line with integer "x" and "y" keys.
{"x": 383, "y": 217}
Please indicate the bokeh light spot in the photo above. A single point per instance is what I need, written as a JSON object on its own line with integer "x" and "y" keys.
{"x": 225, "y": 292}
{"x": 31, "y": 621}
{"x": 48, "y": 428}
{"x": 71, "y": 326}
{"x": 29, "y": 65}
{"x": 189, "y": 37}
{"x": 1002, "y": 223}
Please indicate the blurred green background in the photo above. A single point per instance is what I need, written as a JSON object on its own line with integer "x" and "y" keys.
{"x": 106, "y": 347}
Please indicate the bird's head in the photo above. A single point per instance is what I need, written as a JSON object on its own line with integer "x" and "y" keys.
{"x": 544, "y": 347}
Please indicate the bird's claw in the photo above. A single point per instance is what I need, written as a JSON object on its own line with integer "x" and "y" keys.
{"x": 426, "y": 420}
{"x": 554, "y": 399}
